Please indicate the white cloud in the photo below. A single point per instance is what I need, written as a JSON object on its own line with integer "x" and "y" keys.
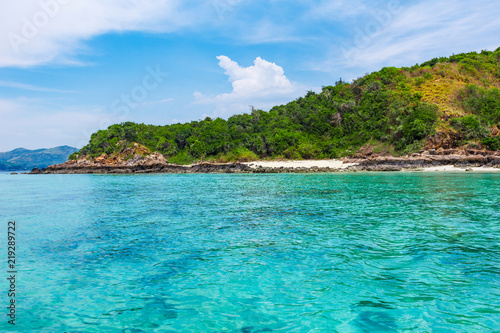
{"x": 266, "y": 31}
{"x": 433, "y": 29}
{"x": 29, "y": 87}
{"x": 264, "y": 78}
{"x": 34, "y": 32}
{"x": 262, "y": 85}
{"x": 415, "y": 33}
{"x": 163, "y": 101}
{"x": 339, "y": 9}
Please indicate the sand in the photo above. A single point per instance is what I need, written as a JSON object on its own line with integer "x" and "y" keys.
{"x": 334, "y": 164}
{"x": 451, "y": 168}
{"x": 338, "y": 164}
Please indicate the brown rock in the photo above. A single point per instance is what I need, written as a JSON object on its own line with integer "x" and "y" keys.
{"x": 383, "y": 167}
{"x": 495, "y": 132}
{"x": 442, "y": 140}
{"x": 451, "y": 152}
{"x": 101, "y": 159}
{"x": 35, "y": 171}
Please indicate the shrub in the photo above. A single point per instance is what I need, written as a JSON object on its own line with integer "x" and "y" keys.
{"x": 198, "y": 148}
{"x": 492, "y": 143}
{"x": 419, "y": 125}
{"x": 430, "y": 63}
{"x": 470, "y": 127}
{"x": 428, "y": 76}
{"x": 419, "y": 81}
{"x": 482, "y": 102}
{"x": 308, "y": 150}
{"x": 183, "y": 158}
{"x": 74, "y": 156}
{"x": 241, "y": 155}
{"x": 292, "y": 154}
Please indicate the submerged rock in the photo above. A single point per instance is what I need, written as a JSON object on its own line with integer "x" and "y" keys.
{"x": 383, "y": 167}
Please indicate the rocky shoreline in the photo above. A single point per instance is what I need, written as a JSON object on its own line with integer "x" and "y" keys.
{"x": 417, "y": 161}
{"x": 156, "y": 163}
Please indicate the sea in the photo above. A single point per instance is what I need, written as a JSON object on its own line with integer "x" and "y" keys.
{"x": 248, "y": 253}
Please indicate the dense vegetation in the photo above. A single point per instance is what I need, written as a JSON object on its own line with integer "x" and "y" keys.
{"x": 393, "y": 110}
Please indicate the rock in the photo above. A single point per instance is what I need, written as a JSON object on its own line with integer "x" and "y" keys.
{"x": 152, "y": 160}
{"x": 451, "y": 152}
{"x": 473, "y": 152}
{"x": 35, "y": 171}
{"x": 495, "y": 131}
{"x": 156, "y": 163}
{"x": 382, "y": 167}
{"x": 140, "y": 149}
{"x": 442, "y": 140}
{"x": 365, "y": 151}
{"x": 101, "y": 159}
{"x": 469, "y": 169}
{"x": 494, "y": 160}
{"x": 415, "y": 169}
{"x": 13, "y": 173}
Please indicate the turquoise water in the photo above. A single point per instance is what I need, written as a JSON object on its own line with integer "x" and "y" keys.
{"x": 397, "y": 252}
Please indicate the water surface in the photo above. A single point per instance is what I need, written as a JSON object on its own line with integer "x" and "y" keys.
{"x": 395, "y": 252}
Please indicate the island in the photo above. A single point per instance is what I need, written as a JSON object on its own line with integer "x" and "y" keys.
{"x": 444, "y": 112}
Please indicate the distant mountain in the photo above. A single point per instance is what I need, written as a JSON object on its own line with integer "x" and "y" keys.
{"x": 24, "y": 159}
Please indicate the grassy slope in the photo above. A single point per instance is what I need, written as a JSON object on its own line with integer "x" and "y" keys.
{"x": 447, "y": 102}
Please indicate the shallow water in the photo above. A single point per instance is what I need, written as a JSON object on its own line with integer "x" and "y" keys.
{"x": 255, "y": 253}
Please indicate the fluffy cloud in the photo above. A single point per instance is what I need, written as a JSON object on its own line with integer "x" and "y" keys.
{"x": 35, "y": 32}
{"x": 262, "y": 79}
{"x": 263, "y": 85}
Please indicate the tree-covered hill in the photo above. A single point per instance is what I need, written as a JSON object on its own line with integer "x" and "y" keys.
{"x": 443, "y": 103}
{"x": 23, "y": 159}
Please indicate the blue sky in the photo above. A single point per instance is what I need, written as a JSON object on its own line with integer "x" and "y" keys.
{"x": 71, "y": 67}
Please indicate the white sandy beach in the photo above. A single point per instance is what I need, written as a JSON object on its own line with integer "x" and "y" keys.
{"x": 339, "y": 164}
{"x": 334, "y": 164}
{"x": 451, "y": 168}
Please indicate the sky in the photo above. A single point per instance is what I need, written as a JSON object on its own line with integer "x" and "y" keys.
{"x": 71, "y": 67}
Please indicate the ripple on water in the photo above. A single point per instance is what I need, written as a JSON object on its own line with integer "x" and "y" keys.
{"x": 258, "y": 253}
